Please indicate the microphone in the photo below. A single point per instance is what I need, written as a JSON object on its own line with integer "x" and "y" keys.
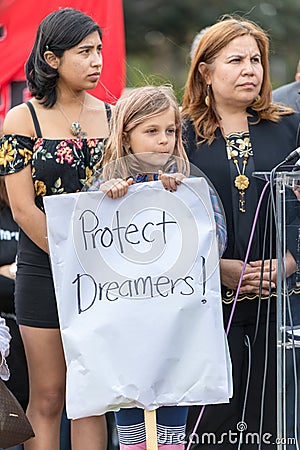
{"x": 296, "y": 166}
{"x": 292, "y": 155}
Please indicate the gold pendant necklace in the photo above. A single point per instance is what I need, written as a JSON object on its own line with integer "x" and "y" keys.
{"x": 241, "y": 181}
{"x": 75, "y": 127}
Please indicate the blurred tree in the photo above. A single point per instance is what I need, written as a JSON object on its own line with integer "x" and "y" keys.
{"x": 159, "y": 34}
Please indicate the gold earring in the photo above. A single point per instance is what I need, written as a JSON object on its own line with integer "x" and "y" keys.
{"x": 257, "y": 98}
{"x": 207, "y": 99}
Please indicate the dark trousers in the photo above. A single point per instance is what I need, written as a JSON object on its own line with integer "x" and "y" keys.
{"x": 223, "y": 422}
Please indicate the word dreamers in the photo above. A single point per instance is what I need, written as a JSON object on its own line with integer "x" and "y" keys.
{"x": 121, "y": 234}
{"x": 89, "y": 291}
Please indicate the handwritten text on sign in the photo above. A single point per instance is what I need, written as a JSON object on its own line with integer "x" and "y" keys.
{"x": 133, "y": 277}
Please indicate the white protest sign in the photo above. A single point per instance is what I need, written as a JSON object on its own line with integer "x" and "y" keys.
{"x": 138, "y": 293}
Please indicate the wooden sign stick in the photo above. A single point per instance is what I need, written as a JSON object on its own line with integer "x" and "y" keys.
{"x": 151, "y": 431}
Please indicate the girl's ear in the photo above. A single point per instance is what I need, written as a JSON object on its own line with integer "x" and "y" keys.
{"x": 51, "y": 59}
{"x": 202, "y": 67}
{"x": 125, "y": 139}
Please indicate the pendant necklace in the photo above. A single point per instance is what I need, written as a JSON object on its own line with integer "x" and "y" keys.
{"x": 75, "y": 127}
{"x": 241, "y": 181}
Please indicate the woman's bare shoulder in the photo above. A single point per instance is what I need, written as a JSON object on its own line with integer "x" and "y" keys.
{"x": 18, "y": 121}
{"x": 96, "y": 102}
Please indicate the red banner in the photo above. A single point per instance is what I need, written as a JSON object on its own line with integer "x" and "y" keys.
{"x": 19, "y": 21}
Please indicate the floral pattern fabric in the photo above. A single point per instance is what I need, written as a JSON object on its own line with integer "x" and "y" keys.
{"x": 58, "y": 166}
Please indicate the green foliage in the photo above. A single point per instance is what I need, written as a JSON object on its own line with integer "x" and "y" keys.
{"x": 159, "y": 34}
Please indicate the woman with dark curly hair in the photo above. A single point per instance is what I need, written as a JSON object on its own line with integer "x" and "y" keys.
{"x": 50, "y": 145}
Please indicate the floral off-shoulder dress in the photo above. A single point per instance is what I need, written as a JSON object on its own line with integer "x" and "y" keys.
{"x": 58, "y": 166}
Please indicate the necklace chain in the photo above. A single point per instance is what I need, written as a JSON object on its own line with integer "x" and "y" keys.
{"x": 75, "y": 127}
{"x": 241, "y": 181}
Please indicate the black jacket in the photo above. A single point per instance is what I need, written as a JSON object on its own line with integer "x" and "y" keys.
{"x": 271, "y": 143}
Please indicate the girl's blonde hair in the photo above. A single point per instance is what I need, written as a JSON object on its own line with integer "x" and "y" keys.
{"x": 218, "y": 36}
{"x": 132, "y": 109}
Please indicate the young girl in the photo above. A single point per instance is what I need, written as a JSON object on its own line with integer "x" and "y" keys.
{"x": 145, "y": 144}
